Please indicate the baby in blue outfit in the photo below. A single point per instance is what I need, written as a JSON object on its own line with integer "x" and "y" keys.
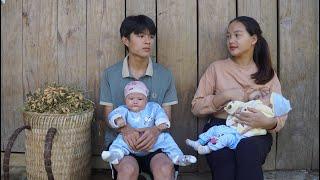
{"x": 139, "y": 113}
{"x": 229, "y": 135}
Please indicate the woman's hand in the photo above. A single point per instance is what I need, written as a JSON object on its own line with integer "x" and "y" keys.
{"x": 235, "y": 94}
{"x": 148, "y": 138}
{"x": 130, "y": 136}
{"x": 255, "y": 119}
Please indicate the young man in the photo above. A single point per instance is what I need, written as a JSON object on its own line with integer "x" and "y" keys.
{"x": 137, "y": 34}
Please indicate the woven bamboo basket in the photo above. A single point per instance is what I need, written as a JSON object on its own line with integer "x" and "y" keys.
{"x": 70, "y": 150}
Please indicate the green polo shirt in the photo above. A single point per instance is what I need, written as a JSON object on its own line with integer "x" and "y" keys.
{"x": 157, "y": 78}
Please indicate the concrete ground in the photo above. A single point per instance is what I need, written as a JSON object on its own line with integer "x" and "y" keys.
{"x": 19, "y": 173}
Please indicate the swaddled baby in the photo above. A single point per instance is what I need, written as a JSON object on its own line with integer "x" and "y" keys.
{"x": 229, "y": 135}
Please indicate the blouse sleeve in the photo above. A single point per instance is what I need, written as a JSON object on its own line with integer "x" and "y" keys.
{"x": 281, "y": 120}
{"x": 275, "y": 86}
{"x": 202, "y": 103}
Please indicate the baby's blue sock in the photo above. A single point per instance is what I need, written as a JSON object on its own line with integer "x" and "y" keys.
{"x": 202, "y": 142}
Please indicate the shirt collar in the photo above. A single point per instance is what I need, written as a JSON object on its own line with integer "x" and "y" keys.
{"x": 125, "y": 68}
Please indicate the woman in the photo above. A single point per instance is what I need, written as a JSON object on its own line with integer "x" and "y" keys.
{"x": 227, "y": 80}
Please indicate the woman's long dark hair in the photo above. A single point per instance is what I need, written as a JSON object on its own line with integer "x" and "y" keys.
{"x": 261, "y": 53}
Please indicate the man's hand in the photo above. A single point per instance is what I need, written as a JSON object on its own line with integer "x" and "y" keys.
{"x": 130, "y": 136}
{"x": 147, "y": 139}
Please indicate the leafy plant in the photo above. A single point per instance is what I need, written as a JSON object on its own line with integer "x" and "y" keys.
{"x": 57, "y": 99}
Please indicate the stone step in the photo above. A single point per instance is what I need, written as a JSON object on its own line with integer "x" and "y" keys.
{"x": 19, "y": 173}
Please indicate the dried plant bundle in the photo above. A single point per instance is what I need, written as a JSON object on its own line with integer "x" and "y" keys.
{"x": 57, "y": 99}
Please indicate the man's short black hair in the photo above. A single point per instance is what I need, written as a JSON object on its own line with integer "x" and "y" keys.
{"x": 137, "y": 24}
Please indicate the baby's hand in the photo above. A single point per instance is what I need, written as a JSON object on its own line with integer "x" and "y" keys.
{"x": 120, "y": 122}
{"x": 265, "y": 91}
{"x": 162, "y": 126}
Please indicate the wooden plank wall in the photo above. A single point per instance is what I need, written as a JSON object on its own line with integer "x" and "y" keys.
{"x": 11, "y": 72}
{"x": 104, "y": 48}
{"x": 177, "y": 50}
{"x": 265, "y": 12}
{"x": 71, "y": 42}
{"x": 299, "y": 74}
{"x": 212, "y": 24}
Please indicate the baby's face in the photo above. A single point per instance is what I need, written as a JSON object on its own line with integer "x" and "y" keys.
{"x": 136, "y": 101}
{"x": 262, "y": 96}
{"x": 255, "y": 95}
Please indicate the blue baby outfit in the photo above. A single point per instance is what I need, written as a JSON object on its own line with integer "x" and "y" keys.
{"x": 225, "y": 137}
{"x": 150, "y": 116}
